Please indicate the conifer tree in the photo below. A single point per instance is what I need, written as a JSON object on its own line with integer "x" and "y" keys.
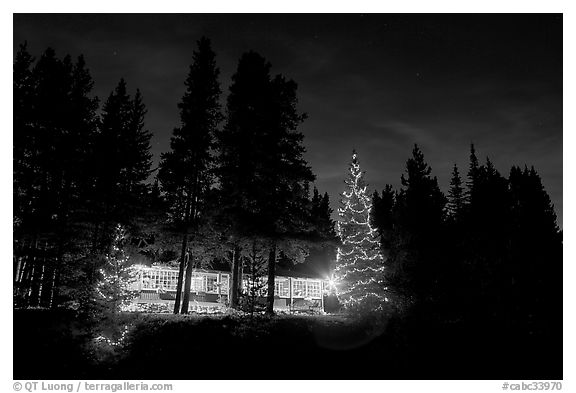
{"x": 123, "y": 150}
{"x": 82, "y": 134}
{"x": 51, "y": 145}
{"x": 456, "y": 197}
{"x": 138, "y": 159}
{"x": 359, "y": 273}
{"x": 111, "y": 145}
{"x": 325, "y": 216}
{"x": 186, "y": 171}
{"x": 116, "y": 288}
{"x": 315, "y": 208}
{"x": 420, "y": 208}
{"x": 24, "y": 143}
{"x": 55, "y": 122}
{"x": 536, "y": 252}
{"x": 473, "y": 172}
{"x": 321, "y": 215}
{"x": 262, "y": 173}
{"x": 383, "y": 210}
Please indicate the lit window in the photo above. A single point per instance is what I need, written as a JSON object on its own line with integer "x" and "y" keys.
{"x": 282, "y": 288}
{"x": 173, "y": 280}
{"x": 198, "y": 283}
{"x": 299, "y": 288}
{"x": 145, "y": 279}
{"x": 313, "y": 288}
{"x": 224, "y": 284}
{"x": 212, "y": 284}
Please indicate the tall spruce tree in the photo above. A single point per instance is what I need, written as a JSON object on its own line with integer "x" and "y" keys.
{"x": 321, "y": 216}
{"x": 51, "y": 146}
{"x": 420, "y": 206}
{"x": 110, "y": 144}
{"x": 288, "y": 173}
{"x": 262, "y": 174}
{"x": 472, "y": 176}
{"x": 382, "y": 217}
{"x": 24, "y": 144}
{"x": 456, "y": 196}
{"x": 326, "y": 223}
{"x": 123, "y": 148}
{"x": 55, "y": 120}
{"x": 488, "y": 229}
{"x": 315, "y": 204}
{"x": 359, "y": 273}
{"x": 240, "y": 154}
{"x": 138, "y": 159}
{"x": 536, "y": 254}
{"x": 186, "y": 171}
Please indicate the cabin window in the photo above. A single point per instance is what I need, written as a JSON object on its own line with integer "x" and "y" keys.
{"x": 198, "y": 283}
{"x": 173, "y": 280}
{"x": 164, "y": 280}
{"x": 212, "y": 284}
{"x": 224, "y": 284}
{"x": 313, "y": 288}
{"x": 299, "y": 288}
{"x": 282, "y": 288}
{"x": 159, "y": 279}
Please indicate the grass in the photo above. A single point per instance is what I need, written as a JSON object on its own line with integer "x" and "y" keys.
{"x": 57, "y": 345}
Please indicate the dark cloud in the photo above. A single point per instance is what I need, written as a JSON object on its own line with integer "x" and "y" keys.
{"x": 377, "y": 83}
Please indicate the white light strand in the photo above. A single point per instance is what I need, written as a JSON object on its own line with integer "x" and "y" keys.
{"x": 359, "y": 271}
{"x": 113, "y": 343}
{"x": 118, "y": 279}
{"x": 366, "y": 269}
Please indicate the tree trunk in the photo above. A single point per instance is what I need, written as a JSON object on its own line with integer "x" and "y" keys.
{"x": 187, "y": 285}
{"x": 60, "y": 230}
{"x": 271, "y": 277}
{"x": 182, "y": 257}
{"x": 193, "y": 218}
{"x": 181, "y": 272}
{"x": 17, "y": 260}
{"x": 55, "y": 295}
{"x": 234, "y": 287}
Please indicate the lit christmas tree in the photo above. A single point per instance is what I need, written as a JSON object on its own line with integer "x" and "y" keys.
{"x": 359, "y": 273}
{"x": 117, "y": 289}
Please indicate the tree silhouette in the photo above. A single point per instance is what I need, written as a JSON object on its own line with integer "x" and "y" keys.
{"x": 123, "y": 149}
{"x": 420, "y": 208}
{"x": 186, "y": 171}
{"x": 456, "y": 197}
{"x": 536, "y": 254}
{"x": 262, "y": 172}
{"x": 25, "y": 166}
{"x": 57, "y": 120}
{"x": 383, "y": 215}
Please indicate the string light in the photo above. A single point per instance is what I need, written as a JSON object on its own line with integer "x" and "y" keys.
{"x": 359, "y": 272}
{"x": 111, "y": 342}
{"x": 117, "y": 286}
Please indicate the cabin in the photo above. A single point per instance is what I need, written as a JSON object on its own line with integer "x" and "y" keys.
{"x": 155, "y": 289}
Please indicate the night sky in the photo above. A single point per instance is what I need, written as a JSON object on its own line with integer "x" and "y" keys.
{"x": 378, "y": 83}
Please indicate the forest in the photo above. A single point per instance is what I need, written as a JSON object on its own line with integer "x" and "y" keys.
{"x": 481, "y": 263}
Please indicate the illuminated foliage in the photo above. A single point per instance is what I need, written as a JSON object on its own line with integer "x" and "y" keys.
{"x": 359, "y": 273}
{"x": 117, "y": 288}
